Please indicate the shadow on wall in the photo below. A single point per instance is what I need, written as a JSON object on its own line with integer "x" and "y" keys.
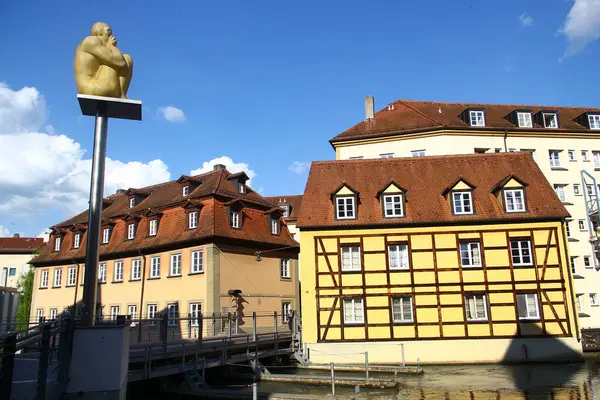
{"x": 556, "y": 363}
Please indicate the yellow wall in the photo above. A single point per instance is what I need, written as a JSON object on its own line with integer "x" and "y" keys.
{"x": 437, "y": 283}
{"x": 18, "y": 261}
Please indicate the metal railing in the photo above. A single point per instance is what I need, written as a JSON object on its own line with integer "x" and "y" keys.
{"x": 42, "y": 352}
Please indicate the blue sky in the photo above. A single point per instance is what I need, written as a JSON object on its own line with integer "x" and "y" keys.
{"x": 265, "y": 83}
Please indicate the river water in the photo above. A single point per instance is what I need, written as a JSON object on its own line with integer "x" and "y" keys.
{"x": 473, "y": 382}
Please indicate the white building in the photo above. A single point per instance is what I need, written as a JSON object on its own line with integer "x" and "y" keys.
{"x": 15, "y": 254}
{"x": 563, "y": 141}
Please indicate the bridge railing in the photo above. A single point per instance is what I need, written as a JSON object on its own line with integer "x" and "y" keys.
{"x": 165, "y": 328}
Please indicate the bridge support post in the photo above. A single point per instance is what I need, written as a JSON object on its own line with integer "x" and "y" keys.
{"x": 42, "y": 376}
{"x": 9, "y": 347}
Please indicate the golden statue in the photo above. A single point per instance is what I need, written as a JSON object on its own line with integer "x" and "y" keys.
{"x": 100, "y": 67}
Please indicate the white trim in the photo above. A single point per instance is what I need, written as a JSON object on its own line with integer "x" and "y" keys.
{"x": 520, "y": 248}
{"x": 118, "y": 273}
{"x": 475, "y": 298}
{"x": 476, "y": 118}
{"x": 527, "y": 121}
{"x": 155, "y": 267}
{"x": 77, "y": 240}
{"x": 105, "y": 235}
{"x": 474, "y": 261}
{"x": 553, "y": 122}
{"x": 153, "y": 227}
{"x": 464, "y": 195}
{"x": 348, "y": 204}
{"x": 357, "y": 303}
{"x": 193, "y": 220}
{"x": 175, "y": 267}
{"x": 401, "y": 310}
{"x": 197, "y": 261}
{"x": 400, "y": 254}
{"x": 57, "y": 242}
{"x": 594, "y": 121}
{"x": 515, "y": 202}
{"x": 186, "y": 190}
{"x": 537, "y": 306}
{"x": 44, "y": 278}
{"x": 136, "y": 266}
{"x": 131, "y": 231}
{"x": 395, "y": 199}
{"x": 235, "y": 219}
{"x": 353, "y": 251}
{"x": 284, "y": 265}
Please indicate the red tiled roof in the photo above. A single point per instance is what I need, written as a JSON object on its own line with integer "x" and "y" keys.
{"x": 210, "y": 198}
{"x": 20, "y": 245}
{"x": 294, "y": 201}
{"x": 424, "y": 179}
{"x": 407, "y": 116}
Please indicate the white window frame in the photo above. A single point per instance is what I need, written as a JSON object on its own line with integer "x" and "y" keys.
{"x": 476, "y": 118}
{"x": 520, "y": 248}
{"x": 571, "y": 155}
{"x": 596, "y": 158}
{"x": 577, "y": 189}
{"x": 594, "y": 121}
{"x": 396, "y": 252}
{"x": 573, "y": 260}
{"x": 175, "y": 266}
{"x": 474, "y": 261}
{"x": 537, "y": 307}
{"x": 173, "y": 314}
{"x": 57, "y": 282}
{"x": 554, "y": 157}
{"x": 524, "y": 120}
{"x": 513, "y": 193}
{"x": 286, "y": 210}
{"x": 57, "y": 242}
{"x": 403, "y": 318}
{"x": 132, "y": 312}
{"x": 351, "y": 267}
{"x": 132, "y": 202}
{"x": 353, "y": 318}
{"x": 44, "y": 278}
{"x": 581, "y": 225}
{"x": 155, "y": 267}
{"x": 417, "y": 153}
{"x": 241, "y": 188}
{"x": 286, "y": 308}
{"x": 476, "y": 298}
{"x": 114, "y": 312}
{"x": 463, "y": 196}
{"x": 102, "y": 273}
{"x": 274, "y": 226}
{"x": 136, "y": 268}
{"x": 553, "y": 123}
{"x": 105, "y": 235}
{"x": 386, "y": 155}
{"x": 561, "y": 192}
{"x": 72, "y": 276}
{"x": 587, "y": 262}
{"x": 348, "y": 209}
{"x": 193, "y": 220}
{"x": 579, "y": 298}
{"x": 235, "y": 219}
{"x": 118, "y": 271}
{"x": 390, "y": 201}
{"x": 39, "y": 314}
{"x": 131, "y": 231}
{"x": 590, "y": 190}
{"x": 152, "y": 228}
{"x": 593, "y": 299}
{"x": 186, "y": 191}
{"x": 584, "y": 155}
{"x": 284, "y": 265}
{"x": 197, "y": 261}
{"x": 53, "y": 313}
{"x": 151, "y": 310}
{"x": 195, "y": 313}
{"x": 77, "y": 240}
{"x": 356, "y": 158}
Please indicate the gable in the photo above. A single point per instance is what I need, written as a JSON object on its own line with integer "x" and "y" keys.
{"x": 513, "y": 183}
{"x": 461, "y": 185}
{"x": 343, "y": 191}
{"x": 392, "y": 188}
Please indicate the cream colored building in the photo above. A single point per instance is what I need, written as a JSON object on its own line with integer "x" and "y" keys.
{"x": 183, "y": 247}
{"x": 562, "y": 140}
{"x": 15, "y": 254}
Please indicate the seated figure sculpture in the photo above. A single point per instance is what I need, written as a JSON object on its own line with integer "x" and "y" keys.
{"x": 100, "y": 67}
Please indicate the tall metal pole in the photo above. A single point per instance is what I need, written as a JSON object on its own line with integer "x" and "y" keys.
{"x": 90, "y": 284}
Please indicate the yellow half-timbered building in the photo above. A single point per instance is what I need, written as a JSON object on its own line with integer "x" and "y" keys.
{"x": 439, "y": 259}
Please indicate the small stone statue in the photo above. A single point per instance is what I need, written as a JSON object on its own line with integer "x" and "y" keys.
{"x": 100, "y": 67}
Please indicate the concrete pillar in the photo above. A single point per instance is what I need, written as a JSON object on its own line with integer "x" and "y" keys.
{"x": 99, "y": 362}
{"x": 213, "y": 279}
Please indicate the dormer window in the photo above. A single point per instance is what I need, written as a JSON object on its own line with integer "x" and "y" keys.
{"x": 132, "y": 202}
{"x": 76, "y": 240}
{"x": 594, "y": 121}
{"x": 462, "y": 203}
{"x": 393, "y": 206}
{"x": 242, "y": 188}
{"x": 345, "y": 207}
{"x": 514, "y": 200}
{"x": 152, "y": 227}
{"x": 550, "y": 120}
{"x": 105, "y": 235}
{"x": 286, "y": 210}
{"x": 57, "y": 242}
{"x": 193, "y": 220}
{"x": 186, "y": 191}
{"x": 235, "y": 219}
{"x": 477, "y": 118}
{"x": 130, "y": 231}
{"x": 274, "y": 226}
{"x": 524, "y": 120}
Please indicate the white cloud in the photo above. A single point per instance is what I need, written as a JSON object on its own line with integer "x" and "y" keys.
{"x": 40, "y": 171}
{"x": 581, "y": 26}
{"x": 231, "y": 166}
{"x": 172, "y": 114}
{"x": 526, "y": 20}
{"x": 299, "y": 167}
{"x": 4, "y": 232}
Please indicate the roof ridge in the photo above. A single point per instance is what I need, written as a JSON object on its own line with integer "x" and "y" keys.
{"x": 404, "y": 101}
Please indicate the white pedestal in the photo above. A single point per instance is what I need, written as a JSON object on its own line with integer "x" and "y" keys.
{"x": 100, "y": 362}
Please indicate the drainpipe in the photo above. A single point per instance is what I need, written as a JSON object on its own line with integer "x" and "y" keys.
{"x": 77, "y": 266}
{"x": 505, "y": 136}
{"x": 143, "y": 285}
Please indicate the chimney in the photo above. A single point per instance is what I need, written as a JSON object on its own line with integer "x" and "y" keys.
{"x": 369, "y": 108}
{"x": 218, "y": 167}
{"x": 16, "y": 236}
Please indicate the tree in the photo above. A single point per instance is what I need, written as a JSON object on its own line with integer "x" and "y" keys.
{"x": 25, "y": 288}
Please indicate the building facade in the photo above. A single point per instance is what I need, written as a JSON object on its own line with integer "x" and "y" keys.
{"x": 183, "y": 247}
{"x": 562, "y": 140}
{"x": 15, "y": 254}
{"x": 454, "y": 259}
{"x": 290, "y": 206}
